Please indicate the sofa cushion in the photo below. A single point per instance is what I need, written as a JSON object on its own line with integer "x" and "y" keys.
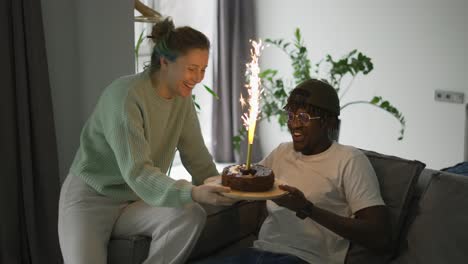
{"x": 397, "y": 178}
{"x": 423, "y": 181}
{"x": 439, "y": 233}
{"x": 226, "y": 226}
{"x": 132, "y": 250}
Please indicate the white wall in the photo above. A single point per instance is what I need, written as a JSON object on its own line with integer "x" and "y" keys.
{"x": 416, "y": 47}
{"x": 89, "y": 43}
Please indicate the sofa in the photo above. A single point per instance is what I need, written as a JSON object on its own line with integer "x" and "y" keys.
{"x": 428, "y": 213}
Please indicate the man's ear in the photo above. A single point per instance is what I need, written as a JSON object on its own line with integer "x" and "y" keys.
{"x": 324, "y": 122}
{"x": 329, "y": 123}
{"x": 333, "y": 122}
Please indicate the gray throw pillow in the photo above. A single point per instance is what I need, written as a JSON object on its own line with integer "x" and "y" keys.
{"x": 439, "y": 232}
{"x": 397, "y": 178}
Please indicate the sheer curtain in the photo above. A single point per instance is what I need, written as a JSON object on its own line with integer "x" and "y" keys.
{"x": 29, "y": 189}
{"x": 236, "y": 26}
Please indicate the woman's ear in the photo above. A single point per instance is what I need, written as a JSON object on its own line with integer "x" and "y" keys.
{"x": 163, "y": 61}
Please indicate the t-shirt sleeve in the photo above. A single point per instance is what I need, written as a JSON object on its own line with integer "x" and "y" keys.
{"x": 267, "y": 161}
{"x": 361, "y": 186}
{"x": 125, "y": 134}
{"x": 193, "y": 152}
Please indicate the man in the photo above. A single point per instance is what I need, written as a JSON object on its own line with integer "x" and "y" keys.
{"x": 333, "y": 193}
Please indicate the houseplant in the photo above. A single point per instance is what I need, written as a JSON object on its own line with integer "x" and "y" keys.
{"x": 277, "y": 89}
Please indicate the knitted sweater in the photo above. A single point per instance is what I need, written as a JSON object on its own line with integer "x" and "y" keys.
{"x": 129, "y": 141}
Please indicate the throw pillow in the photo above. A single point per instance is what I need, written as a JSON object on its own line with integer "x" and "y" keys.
{"x": 397, "y": 178}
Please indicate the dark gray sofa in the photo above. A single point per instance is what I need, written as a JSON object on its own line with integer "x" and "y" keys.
{"x": 428, "y": 212}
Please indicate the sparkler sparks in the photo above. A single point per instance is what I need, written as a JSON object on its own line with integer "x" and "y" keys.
{"x": 253, "y": 100}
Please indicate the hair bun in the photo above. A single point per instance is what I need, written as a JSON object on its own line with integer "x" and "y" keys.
{"x": 162, "y": 30}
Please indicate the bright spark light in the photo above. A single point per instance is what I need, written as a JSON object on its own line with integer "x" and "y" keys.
{"x": 254, "y": 90}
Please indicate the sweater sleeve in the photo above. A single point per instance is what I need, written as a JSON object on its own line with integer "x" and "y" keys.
{"x": 193, "y": 152}
{"x": 124, "y": 133}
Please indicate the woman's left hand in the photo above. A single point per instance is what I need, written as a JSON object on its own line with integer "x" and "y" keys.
{"x": 294, "y": 200}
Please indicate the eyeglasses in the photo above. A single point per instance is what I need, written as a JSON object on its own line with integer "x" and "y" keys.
{"x": 304, "y": 118}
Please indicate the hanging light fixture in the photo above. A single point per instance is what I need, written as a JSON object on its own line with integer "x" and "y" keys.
{"x": 148, "y": 15}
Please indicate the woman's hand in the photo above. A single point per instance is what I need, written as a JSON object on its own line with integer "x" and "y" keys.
{"x": 294, "y": 200}
{"x": 210, "y": 194}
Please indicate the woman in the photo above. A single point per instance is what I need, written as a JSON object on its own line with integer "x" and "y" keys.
{"x": 117, "y": 184}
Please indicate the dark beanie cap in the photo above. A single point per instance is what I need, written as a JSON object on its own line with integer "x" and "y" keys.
{"x": 321, "y": 94}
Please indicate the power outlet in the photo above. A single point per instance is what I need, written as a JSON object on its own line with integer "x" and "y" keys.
{"x": 450, "y": 97}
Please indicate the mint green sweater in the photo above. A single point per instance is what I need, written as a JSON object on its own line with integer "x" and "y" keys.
{"x": 129, "y": 141}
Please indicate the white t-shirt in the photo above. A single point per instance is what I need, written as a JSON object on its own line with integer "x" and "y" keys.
{"x": 340, "y": 179}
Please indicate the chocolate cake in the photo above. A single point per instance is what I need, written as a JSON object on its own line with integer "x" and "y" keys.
{"x": 257, "y": 179}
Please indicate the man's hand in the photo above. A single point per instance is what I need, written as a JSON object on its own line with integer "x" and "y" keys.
{"x": 369, "y": 228}
{"x": 294, "y": 200}
{"x": 210, "y": 194}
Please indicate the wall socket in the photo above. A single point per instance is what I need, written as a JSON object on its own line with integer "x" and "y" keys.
{"x": 450, "y": 97}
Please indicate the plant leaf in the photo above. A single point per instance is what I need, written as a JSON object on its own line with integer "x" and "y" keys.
{"x": 213, "y": 93}
{"x": 389, "y": 108}
{"x": 138, "y": 44}
{"x": 376, "y": 99}
{"x": 197, "y": 106}
{"x": 298, "y": 34}
{"x": 237, "y": 139}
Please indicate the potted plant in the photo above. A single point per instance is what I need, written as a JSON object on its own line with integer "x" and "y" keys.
{"x": 276, "y": 89}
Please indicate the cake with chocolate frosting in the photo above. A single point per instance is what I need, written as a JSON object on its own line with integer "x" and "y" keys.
{"x": 258, "y": 179}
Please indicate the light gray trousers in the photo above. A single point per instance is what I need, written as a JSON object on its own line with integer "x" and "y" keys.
{"x": 87, "y": 220}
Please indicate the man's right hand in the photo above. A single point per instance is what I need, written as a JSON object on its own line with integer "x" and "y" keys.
{"x": 210, "y": 194}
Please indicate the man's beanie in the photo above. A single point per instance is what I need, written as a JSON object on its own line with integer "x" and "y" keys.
{"x": 320, "y": 94}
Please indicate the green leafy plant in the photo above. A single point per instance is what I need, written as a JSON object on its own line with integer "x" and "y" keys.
{"x": 140, "y": 40}
{"x": 210, "y": 91}
{"x": 277, "y": 89}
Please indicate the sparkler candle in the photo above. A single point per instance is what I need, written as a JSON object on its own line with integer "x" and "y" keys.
{"x": 254, "y": 92}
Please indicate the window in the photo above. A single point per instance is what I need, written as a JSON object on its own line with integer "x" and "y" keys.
{"x": 201, "y": 16}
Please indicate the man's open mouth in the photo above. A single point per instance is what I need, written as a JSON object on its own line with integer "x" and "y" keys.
{"x": 297, "y": 136}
